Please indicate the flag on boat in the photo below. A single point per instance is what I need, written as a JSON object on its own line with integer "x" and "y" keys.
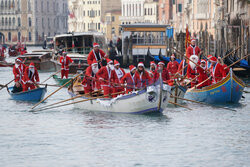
{"x": 187, "y": 39}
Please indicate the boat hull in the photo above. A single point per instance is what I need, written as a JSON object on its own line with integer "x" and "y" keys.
{"x": 228, "y": 90}
{"x": 60, "y": 81}
{"x": 31, "y": 95}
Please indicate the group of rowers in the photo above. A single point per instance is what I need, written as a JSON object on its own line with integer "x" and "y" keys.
{"x": 107, "y": 75}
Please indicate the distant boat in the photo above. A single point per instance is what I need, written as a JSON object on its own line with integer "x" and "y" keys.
{"x": 30, "y": 95}
{"x": 228, "y": 90}
{"x": 60, "y": 81}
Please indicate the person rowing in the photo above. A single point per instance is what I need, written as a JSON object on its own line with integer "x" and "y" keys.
{"x": 96, "y": 54}
{"x": 31, "y": 78}
{"x": 18, "y": 71}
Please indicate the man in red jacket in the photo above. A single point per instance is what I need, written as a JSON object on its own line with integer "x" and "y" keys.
{"x": 90, "y": 82}
{"x": 65, "y": 62}
{"x": 203, "y": 75}
{"x": 165, "y": 73}
{"x": 108, "y": 78}
{"x": 193, "y": 49}
{"x": 130, "y": 79}
{"x": 172, "y": 66}
{"x": 143, "y": 76}
{"x": 153, "y": 72}
{"x": 183, "y": 68}
{"x": 192, "y": 70}
{"x": 31, "y": 77}
{"x": 119, "y": 73}
{"x": 18, "y": 71}
{"x": 96, "y": 54}
{"x": 216, "y": 70}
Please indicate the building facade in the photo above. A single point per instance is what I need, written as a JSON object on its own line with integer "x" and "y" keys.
{"x": 29, "y": 21}
{"x": 139, "y": 11}
{"x": 89, "y": 15}
{"x": 165, "y": 11}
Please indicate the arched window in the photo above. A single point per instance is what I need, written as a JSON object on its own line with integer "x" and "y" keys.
{"x": 13, "y": 4}
{"x": 30, "y": 37}
{"x": 2, "y": 21}
{"x": 19, "y": 22}
{"x": 9, "y": 21}
{"x": 2, "y": 4}
{"x": 9, "y": 36}
{"x": 10, "y": 6}
{"x": 6, "y": 21}
{"x": 6, "y": 5}
{"x": 19, "y": 36}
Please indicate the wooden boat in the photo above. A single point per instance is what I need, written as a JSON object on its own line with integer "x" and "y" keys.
{"x": 147, "y": 100}
{"x": 42, "y": 60}
{"x": 60, "y": 81}
{"x": 31, "y": 95}
{"x": 228, "y": 90}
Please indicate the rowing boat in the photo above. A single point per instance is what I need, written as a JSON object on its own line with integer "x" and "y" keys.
{"x": 148, "y": 100}
{"x": 228, "y": 90}
{"x": 30, "y": 95}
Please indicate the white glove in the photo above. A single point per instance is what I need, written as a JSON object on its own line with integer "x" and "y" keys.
{"x": 30, "y": 82}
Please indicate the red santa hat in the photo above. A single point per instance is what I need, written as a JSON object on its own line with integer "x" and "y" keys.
{"x": 109, "y": 61}
{"x": 152, "y": 63}
{"x": 132, "y": 67}
{"x": 96, "y": 45}
{"x": 94, "y": 62}
{"x": 193, "y": 39}
{"x": 209, "y": 57}
{"x": 116, "y": 63}
{"x": 19, "y": 60}
{"x": 140, "y": 64}
{"x": 213, "y": 59}
{"x": 161, "y": 63}
{"x": 32, "y": 65}
{"x": 172, "y": 56}
{"x": 203, "y": 61}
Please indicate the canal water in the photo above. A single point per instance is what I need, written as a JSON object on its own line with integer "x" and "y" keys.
{"x": 68, "y": 137}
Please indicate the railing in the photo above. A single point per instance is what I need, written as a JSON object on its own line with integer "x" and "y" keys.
{"x": 148, "y": 41}
{"x": 80, "y": 50}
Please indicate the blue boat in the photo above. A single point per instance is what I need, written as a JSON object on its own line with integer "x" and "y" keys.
{"x": 228, "y": 90}
{"x": 30, "y": 95}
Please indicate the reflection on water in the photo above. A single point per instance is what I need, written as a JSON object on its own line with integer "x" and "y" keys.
{"x": 205, "y": 136}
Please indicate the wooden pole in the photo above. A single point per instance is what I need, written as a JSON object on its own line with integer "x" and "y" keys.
{"x": 199, "y": 84}
{"x": 3, "y": 86}
{"x": 192, "y": 80}
{"x": 51, "y": 76}
{"x": 179, "y": 105}
{"x": 55, "y": 91}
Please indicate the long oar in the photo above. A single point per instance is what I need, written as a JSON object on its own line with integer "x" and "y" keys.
{"x": 69, "y": 99}
{"x": 51, "y": 76}
{"x": 3, "y": 86}
{"x": 202, "y": 103}
{"x": 80, "y": 101}
{"x": 49, "y": 85}
{"x": 179, "y": 105}
{"x": 192, "y": 79}
{"x": 55, "y": 91}
{"x": 180, "y": 70}
{"x": 232, "y": 51}
{"x": 237, "y": 61}
{"x": 199, "y": 84}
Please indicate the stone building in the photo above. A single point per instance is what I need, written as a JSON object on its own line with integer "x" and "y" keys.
{"x": 139, "y": 11}
{"x": 89, "y": 15}
{"x": 29, "y": 21}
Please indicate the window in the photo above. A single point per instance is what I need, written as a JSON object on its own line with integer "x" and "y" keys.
{"x": 145, "y": 13}
{"x": 30, "y": 37}
{"x": 9, "y": 36}
{"x": 179, "y": 7}
{"x": 99, "y": 26}
{"x": 19, "y": 36}
{"x": 14, "y": 21}
{"x": 2, "y": 5}
{"x": 3, "y": 21}
{"x": 30, "y": 22}
{"x": 6, "y": 21}
{"x": 42, "y": 6}
{"x": 10, "y": 21}
{"x": 113, "y": 18}
{"x": 19, "y": 22}
{"x": 173, "y": 2}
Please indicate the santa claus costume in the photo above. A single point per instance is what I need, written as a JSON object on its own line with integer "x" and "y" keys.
{"x": 18, "y": 71}
{"x": 130, "y": 79}
{"x": 65, "y": 61}
{"x": 203, "y": 75}
{"x": 192, "y": 70}
{"x": 143, "y": 76}
{"x": 182, "y": 67}
{"x": 192, "y": 49}
{"x": 107, "y": 76}
{"x": 31, "y": 77}
{"x": 120, "y": 74}
{"x": 90, "y": 82}
{"x": 208, "y": 62}
{"x": 172, "y": 66}
{"x": 96, "y": 54}
{"x": 216, "y": 70}
{"x": 165, "y": 74}
{"x": 153, "y": 72}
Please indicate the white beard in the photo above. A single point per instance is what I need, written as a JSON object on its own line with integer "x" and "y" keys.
{"x": 94, "y": 69}
{"x": 111, "y": 67}
{"x": 192, "y": 65}
{"x": 17, "y": 65}
{"x": 195, "y": 59}
{"x": 32, "y": 70}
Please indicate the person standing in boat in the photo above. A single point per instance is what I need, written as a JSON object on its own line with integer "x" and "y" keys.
{"x": 165, "y": 74}
{"x": 130, "y": 79}
{"x": 192, "y": 70}
{"x": 203, "y": 74}
{"x": 18, "y": 71}
{"x": 65, "y": 62}
{"x": 183, "y": 68}
{"x": 216, "y": 70}
{"x": 96, "y": 54}
{"x": 119, "y": 73}
{"x": 225, "y": 70}
{"x": 31, "y": 77}
{"x": 143, "y": 76}
{"x": 108, "y": 78}
{"x": 193, "y": 49}
{"x": 153, "y": 72}
{"x": 172, "y": 66}
{"x": 208, "y": 63}
{"x": 90, "y": 82}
